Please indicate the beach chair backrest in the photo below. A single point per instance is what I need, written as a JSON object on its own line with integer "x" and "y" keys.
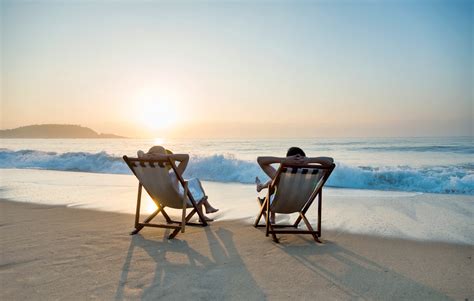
{"x": 157, "y": 181}
{"x": 295, "y": 186}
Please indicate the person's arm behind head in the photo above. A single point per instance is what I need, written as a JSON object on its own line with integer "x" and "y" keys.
{"x": 265, "y": 164}
{"x": 183, "y": 160}
{"x": 321, "y": 160}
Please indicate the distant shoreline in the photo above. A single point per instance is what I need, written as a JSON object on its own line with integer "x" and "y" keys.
{"x": 55, "y": 131}
{"x": 52, "y": 138}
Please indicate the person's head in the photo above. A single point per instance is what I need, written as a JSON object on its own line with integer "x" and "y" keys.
{"x": 157, "y": 149}
{"x": 293, "y": 151}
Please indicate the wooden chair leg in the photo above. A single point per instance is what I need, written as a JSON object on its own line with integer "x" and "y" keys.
{"x": 188, "y": 217}
{"x": 261, "y": 212}
{"x": 168, "y": 219}
{"x": 268, "y": 227}
{"x": 199, "y": 213}
{"x": 139, "y": 199}
{"x": 136, "y": 230}
{"x": 183, "y": 215}
{"x": 297, "y": 223}
{"x": 138, "y": 227}
{"x": 308, "y": 225}
{"x": 183, "y": 220}
{"x": 267, "y": 216}
{"x": 274, "y": 237}
{"x": 320, "y": 204}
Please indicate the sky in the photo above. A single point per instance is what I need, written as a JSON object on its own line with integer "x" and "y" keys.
{"x": 247, "y": 69}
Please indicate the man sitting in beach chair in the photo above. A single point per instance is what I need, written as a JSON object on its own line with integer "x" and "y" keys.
{"x": 292, "y": 188}
{"x": 157, "y": 172}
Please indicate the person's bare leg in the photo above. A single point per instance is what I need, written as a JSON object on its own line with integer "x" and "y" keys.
{"x": 207, "y": 219}
{"x": 260, "y": 187}
{"x": 207, "y": 205}
{"x": 259, "y": 184}
{"x": 272, "y": 217}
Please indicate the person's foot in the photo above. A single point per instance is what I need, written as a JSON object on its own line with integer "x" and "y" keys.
{"x": 259, "y": 184}
{"x": 211, "y": 209}
{"x": 207, "y": 206}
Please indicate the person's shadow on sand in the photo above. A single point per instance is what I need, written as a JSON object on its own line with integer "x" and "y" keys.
{"x": 357, "y": 276}
{"x": 184, "y": 273}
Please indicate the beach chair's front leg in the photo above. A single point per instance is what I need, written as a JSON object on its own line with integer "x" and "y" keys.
{"x": 197, "y": 210}
{"x": 308, "y": 225}
{"x": 269, "y": 228}
{"x": 138, "y": 227}
{"x": 183, "y": 215}
{"x": 272, "y": 231}
{"x": 320, "y": 205}
{"x": 201, "y": 217}
{"x": 167, "y": 218}
{"x": 139, "y": 198}
{"x": 305, "y": 208}
{"x": 188, "y": 217}
{"x": 267, "y": 217}
{"x": 147, "y": 220}
{"x": 261, "y": 212}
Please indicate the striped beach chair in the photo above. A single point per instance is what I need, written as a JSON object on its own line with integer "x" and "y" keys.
{"x": 154, "y": 176}
{"x": 293, "y": 190}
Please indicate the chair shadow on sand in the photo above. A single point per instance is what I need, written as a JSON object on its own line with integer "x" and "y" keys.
{"x": 357, "y": 276}
{"x": 223, "y": 275}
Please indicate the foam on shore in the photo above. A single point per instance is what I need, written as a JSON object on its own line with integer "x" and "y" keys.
{"x": 433, "y": 217}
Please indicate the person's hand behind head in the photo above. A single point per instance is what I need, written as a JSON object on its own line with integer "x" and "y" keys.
{"x": 302, "y": 160}
{"x": 296, "y": 160}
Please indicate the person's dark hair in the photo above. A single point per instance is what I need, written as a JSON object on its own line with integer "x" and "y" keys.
{"x": 293, "y": 151}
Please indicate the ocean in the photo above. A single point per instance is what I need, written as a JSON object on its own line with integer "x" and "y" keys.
{"x": 426, "y": 165}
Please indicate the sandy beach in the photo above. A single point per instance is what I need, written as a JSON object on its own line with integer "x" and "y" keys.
{"x": 55, "y": 252}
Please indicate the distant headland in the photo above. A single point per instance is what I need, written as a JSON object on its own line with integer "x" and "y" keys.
{"x": 51, "y": 131}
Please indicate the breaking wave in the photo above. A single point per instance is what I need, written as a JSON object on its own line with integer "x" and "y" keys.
{"x": 456, "y": 179}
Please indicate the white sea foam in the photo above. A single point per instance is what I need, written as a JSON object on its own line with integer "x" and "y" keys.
{"x": 420, "y": 216}
{"x": 456, "y": 179}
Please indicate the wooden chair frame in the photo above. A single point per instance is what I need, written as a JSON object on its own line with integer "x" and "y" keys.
{"x": 274, "y": 229}
{"x": 177, "y": 226}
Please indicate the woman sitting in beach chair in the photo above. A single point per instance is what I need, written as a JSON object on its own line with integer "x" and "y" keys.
{"x": 194, "y": 185}
{"x": 161, "y": 177}
{"x": 294, "y": 156}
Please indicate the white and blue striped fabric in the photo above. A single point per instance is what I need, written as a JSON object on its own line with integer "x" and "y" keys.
{"x": 295, "y": 187}
{"x": 163, "y": 186}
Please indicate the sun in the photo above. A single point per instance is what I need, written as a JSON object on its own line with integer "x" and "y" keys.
{"x": 158, "y": 141}
{"x": 157, "y": 112}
